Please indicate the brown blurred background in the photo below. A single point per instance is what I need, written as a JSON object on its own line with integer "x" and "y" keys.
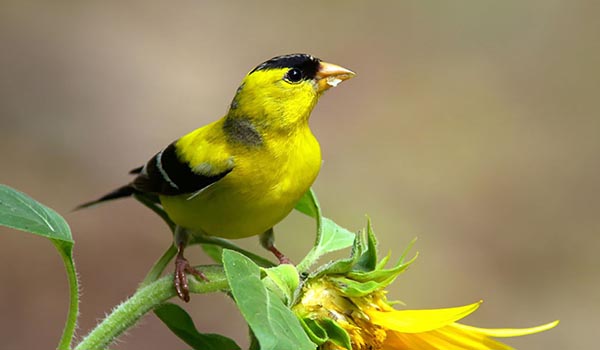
{"x": 472, "y": 126}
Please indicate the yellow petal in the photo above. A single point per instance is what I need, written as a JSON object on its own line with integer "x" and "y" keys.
{"x": 444, "y": 339}
{"x": 463, "y": 339}
{"x": 457, "y": 337}
{"x": 417, "y": 321}
{"x": 507, "y": 332}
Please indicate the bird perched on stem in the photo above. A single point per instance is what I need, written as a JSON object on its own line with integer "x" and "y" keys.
{"x": 242, "y": 174}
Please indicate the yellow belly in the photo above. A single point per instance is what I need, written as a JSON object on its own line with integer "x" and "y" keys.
{"x": 260, "y": 191}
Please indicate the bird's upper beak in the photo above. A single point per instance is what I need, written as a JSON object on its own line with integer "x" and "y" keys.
{"x": 330, "y": 75}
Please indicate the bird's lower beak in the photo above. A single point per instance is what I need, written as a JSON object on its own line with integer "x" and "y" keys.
{"x": 330, "y": 75}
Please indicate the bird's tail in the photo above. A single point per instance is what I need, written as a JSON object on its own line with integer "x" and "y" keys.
{"x": 124, "y": 191}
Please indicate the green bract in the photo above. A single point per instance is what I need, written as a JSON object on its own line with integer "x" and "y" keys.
{"x": 357, "y": 276}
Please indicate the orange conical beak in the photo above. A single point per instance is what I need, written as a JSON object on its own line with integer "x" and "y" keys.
{"x": 330, "y": 75}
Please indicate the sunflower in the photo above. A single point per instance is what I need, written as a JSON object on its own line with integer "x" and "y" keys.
{"x": 371, "y": 322}
{"x": 344, "y": 305}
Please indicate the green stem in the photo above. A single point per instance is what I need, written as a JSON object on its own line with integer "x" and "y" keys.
{"x": 159, "y": 266}
{"x": 313, "y": 254}
{"x": 71, "y": 323}
{"x": 144, "y": 300}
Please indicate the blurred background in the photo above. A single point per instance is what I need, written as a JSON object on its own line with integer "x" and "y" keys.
{"x": 472, "y": 126}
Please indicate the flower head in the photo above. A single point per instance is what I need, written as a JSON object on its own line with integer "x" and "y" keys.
{"x": 344, "y": 306}
{"x": 373, "y": 324}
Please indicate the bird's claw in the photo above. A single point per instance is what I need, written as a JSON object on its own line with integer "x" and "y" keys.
{"x": 183, "y": 267}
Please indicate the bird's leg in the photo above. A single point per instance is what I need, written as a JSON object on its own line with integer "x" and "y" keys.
{"x": 182, "y": 266}
{"x": 267, "y": 240}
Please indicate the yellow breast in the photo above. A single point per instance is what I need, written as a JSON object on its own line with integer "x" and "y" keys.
{"x": 263, "y": 187}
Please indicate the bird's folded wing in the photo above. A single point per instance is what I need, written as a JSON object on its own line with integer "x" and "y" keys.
{"x": 167, "y": 173}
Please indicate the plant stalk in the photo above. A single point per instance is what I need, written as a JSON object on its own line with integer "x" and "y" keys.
{"x": 71, "y": 323}
{"x": 144, "y": 300}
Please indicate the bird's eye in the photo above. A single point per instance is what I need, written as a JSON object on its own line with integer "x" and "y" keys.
{"x": 294, "y": 75}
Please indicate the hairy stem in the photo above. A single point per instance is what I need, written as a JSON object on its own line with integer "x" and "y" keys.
{"x": 144, "y": 300}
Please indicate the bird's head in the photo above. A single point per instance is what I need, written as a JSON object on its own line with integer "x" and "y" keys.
{"x": 280, "y": 93}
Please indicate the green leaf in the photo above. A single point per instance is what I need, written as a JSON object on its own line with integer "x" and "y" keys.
{"x": 314, "y": 330}
{"x": 214, "y": 252}
{"x": 21, "y": 212}
{"x": 286, "y": 278}
{"x": 343, "y": 266}
{"x": 334, "y": 237}
{"x": 368, "y": 259}
{"x": 382, "y": 275}
{"x": 336, "y": 333}
{"x": 357, "y": 289}
{"x": 330, "y": 236}
{"x": 180, "y": 323}
{"x": 406, "y": 250}
{"x": 273, "y": 324}
{"x": 308, "y": 204}
{"x": 254, "y": 345}
{"x": 381, "y": 264}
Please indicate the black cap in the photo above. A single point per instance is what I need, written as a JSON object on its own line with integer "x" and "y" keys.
{"x": 308, "y": 64}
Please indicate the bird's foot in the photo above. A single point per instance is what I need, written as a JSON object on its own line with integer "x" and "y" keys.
{"x": 267, "y": 240}
{"x": 183, "y": 267}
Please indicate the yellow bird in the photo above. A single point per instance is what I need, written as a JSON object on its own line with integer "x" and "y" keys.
{"x": 242, "y": 174}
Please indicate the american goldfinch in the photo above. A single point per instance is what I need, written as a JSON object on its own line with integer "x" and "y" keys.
{"x": 242, "y": 174}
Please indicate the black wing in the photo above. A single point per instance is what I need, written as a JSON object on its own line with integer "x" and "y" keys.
{"x": 165, "y": 174}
